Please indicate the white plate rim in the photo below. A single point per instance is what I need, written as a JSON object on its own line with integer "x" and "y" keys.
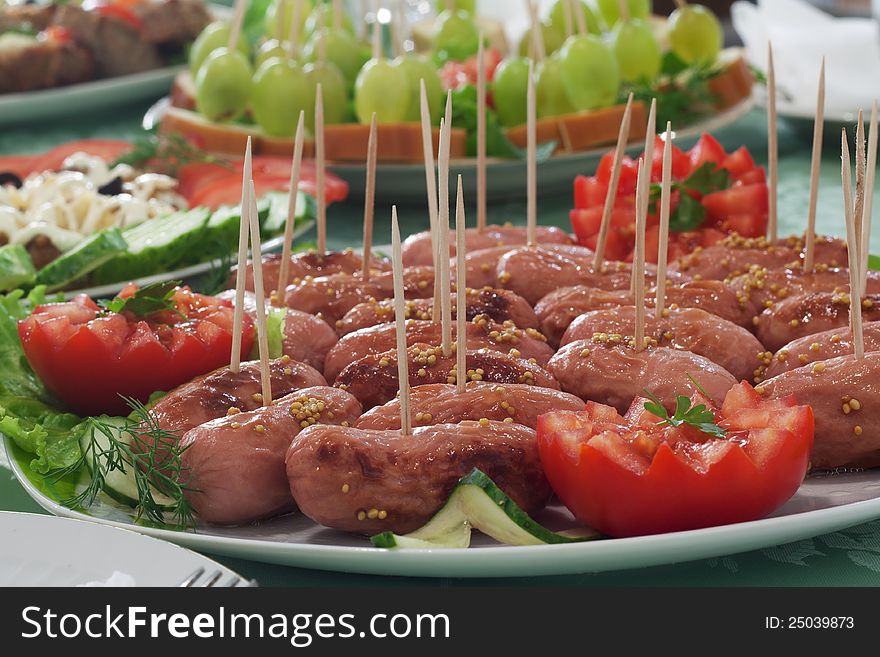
{"x": 105, "y": 533}
{"x": 508, "y": 561}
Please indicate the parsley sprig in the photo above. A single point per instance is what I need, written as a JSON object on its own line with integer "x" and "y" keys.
{"x": 148, "y": 300}
{"x": 690, "y": 214}
{"x": 697, "y": 416}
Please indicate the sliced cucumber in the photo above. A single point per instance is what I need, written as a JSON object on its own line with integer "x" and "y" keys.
{"x": 221, "y": 232}
{"x": 120, "y": 482}
{"x": 16, "y": 267}
{"x": 277, "y": 210}
{"x": 91, "y": 254}
{"x": 477, "y": 502}
{"x": 157, "y": 245}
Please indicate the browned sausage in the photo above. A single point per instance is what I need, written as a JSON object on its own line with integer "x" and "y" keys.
{"x": 734, "y": 256}
{"x": 330, "y": 297}
{"x": 235, "y": 464}
{"x": 615, "y": 374}
{"x": 559, "y": 309}
{"x": 688, "y": 329}
{"x": 497, "y": 305}
{"x": 443, "y": 404}
{"x": 306, "y": 338}
{"x": 819, "y": 346}
{"x": 844, "y": 394}
{"x": 481, "y": 266}
{"x": 365, "y": 481}
{"x": 481, "y": 333}
{"x": 373, "y": 379}
{"x": 534, "y": 273}
{"x": 308, "y": 263}
{"x": 417, "y": 247}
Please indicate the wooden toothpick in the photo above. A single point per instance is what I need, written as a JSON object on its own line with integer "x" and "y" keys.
{"x": 369, "y": 199}
{"x": 443, "y": 234}
{"x": 855, "y": 299}
{"x": 623, "y": 9}
{"x": 531, "y": 162}
{"x": 286, "y": 251}
{"x": 320, "y": 165}
{"x": 337, "y": 15}
{"x": 567, "y": 17}
{"x": 815, "y": 164}
{"x": 614, "y": 181}
{"x": 772, "y": 147}
{"x": 293, "y": 36}
{"x": 638, "y": 267}
{"x": 579, "y": 18}
{"x": 377, "y": 33}
{"x": 235, "y": 25}
{"x": 481, "y": 137}
{"x": 260, "y": 294}
{"x": 644, "y": 189}
{"x": 868, "y": 211}
{"x": 540, "y": 49}
{"x": 431, "y": 186}
{"x": 400, "y": 325}
{"x": 241, "y": 272}
{"x": 460, "y": 292}
{"x": 861, "y": 165}
{"x": 663, "y": 249}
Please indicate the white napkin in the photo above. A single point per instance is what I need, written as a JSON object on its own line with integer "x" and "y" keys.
{"x": 801, "y": 34}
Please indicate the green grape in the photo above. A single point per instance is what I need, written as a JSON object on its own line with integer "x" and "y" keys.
{"x": 550, "y": 95}
{"x": 270, "y": 22}
{"x": 557, "y": 17}
{"x": 382, "y": 87}
{"x": 589, "y": 72}
{"x": 223, "y": 85}
{"x": 695, "y": 34}
{"x": 610, "y": 10}
{"x": 342, "y": 51}
{"x": 510, "y": 90}
{"x": 467, "y": 6}
{"x": 333, "y": 89}
{"x": 271, "y": 48}
{"x": 215, "y": 35}
{"x": 279, "y": 91}
{"x": 553, "y": 39}
{"x": 315, "y": 21}
{"x": 418, "y": 68}
{"x": 636, "y": 49}
{"x": 456, "y": 35}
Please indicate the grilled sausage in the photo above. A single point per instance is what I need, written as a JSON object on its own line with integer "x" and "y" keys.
{"x": 559, "y": 309}
{"x": 481, "y": 333}
{"x": 844, "y": 394}
{"x": 534, "y": 273}
{"x": 443, "y": 404}
{"x": 308, "y": 263}
{"x": 615, "y": 374}
{"x": 211, "y": 396}
{"x": 819, "y": 346}
{"x": 416, "y": 249}
{"x": 374, "y": 381}
{"x": 807, "y": 314}
{"x": 235, "y": 464}
{"x": 330, "y": 297}
{"x": 481, "y": 267}
{"x": 496, "y": 305}
{"x": 763, "y": 287}
{"x": 306, "y": 338}
{"x": 734, "y": 256}
{"x": 365, "y": 481}
{"x": 688, "y": 329}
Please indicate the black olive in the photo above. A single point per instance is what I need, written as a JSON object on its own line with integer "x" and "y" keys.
{"x": 111, "y": 188}
{"x": 9, "y": 178}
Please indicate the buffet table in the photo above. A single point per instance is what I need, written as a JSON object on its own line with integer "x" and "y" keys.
{"x": 847, "y": 558}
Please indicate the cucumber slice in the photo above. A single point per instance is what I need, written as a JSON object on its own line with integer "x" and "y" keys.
{"x": 221, "y": 232}
{"x": 277, "y": 214}
{"x": 157, "y": 245}
{"x": 477, "y": 502}
{"x": 120, "y": 482}
{"x": 91, "y": 253}
{"x": 16, "y": 267}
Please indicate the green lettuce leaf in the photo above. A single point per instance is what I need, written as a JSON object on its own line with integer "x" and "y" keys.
{"x": 275, "y": 330}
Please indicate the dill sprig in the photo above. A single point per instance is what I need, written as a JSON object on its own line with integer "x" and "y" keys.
{"x": 151, "y": 453}
{"x": 166, "y": 152}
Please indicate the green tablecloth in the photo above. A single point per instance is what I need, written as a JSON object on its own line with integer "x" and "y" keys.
{"x": 847, "y": 558}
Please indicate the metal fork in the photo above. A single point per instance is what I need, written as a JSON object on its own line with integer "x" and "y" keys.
{"x": 199, "y": 579}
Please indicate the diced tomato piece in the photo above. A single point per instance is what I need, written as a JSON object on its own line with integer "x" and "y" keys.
{"x": 707, "y": 149}
{"x": 739, "y": 162}
{"x": 681, "y": 162}
{"x": 589, "y": 192}
{"x": 748, "y": 199}
{"x": 754, "y": 177}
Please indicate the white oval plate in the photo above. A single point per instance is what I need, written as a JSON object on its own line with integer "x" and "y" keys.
{"x": 30, "y": 554}
{"x": 822, "y": 504}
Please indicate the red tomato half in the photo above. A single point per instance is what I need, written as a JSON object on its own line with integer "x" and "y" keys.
{"x": 89, "y": 357}
{"x": 627, "y": 476}
{"x": 107, "y": 149}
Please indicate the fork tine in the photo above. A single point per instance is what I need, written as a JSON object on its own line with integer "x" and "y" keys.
{"x": 213, "y": 578}
{"x": 192, "y": 578}
{"x": 232, "y": 582}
